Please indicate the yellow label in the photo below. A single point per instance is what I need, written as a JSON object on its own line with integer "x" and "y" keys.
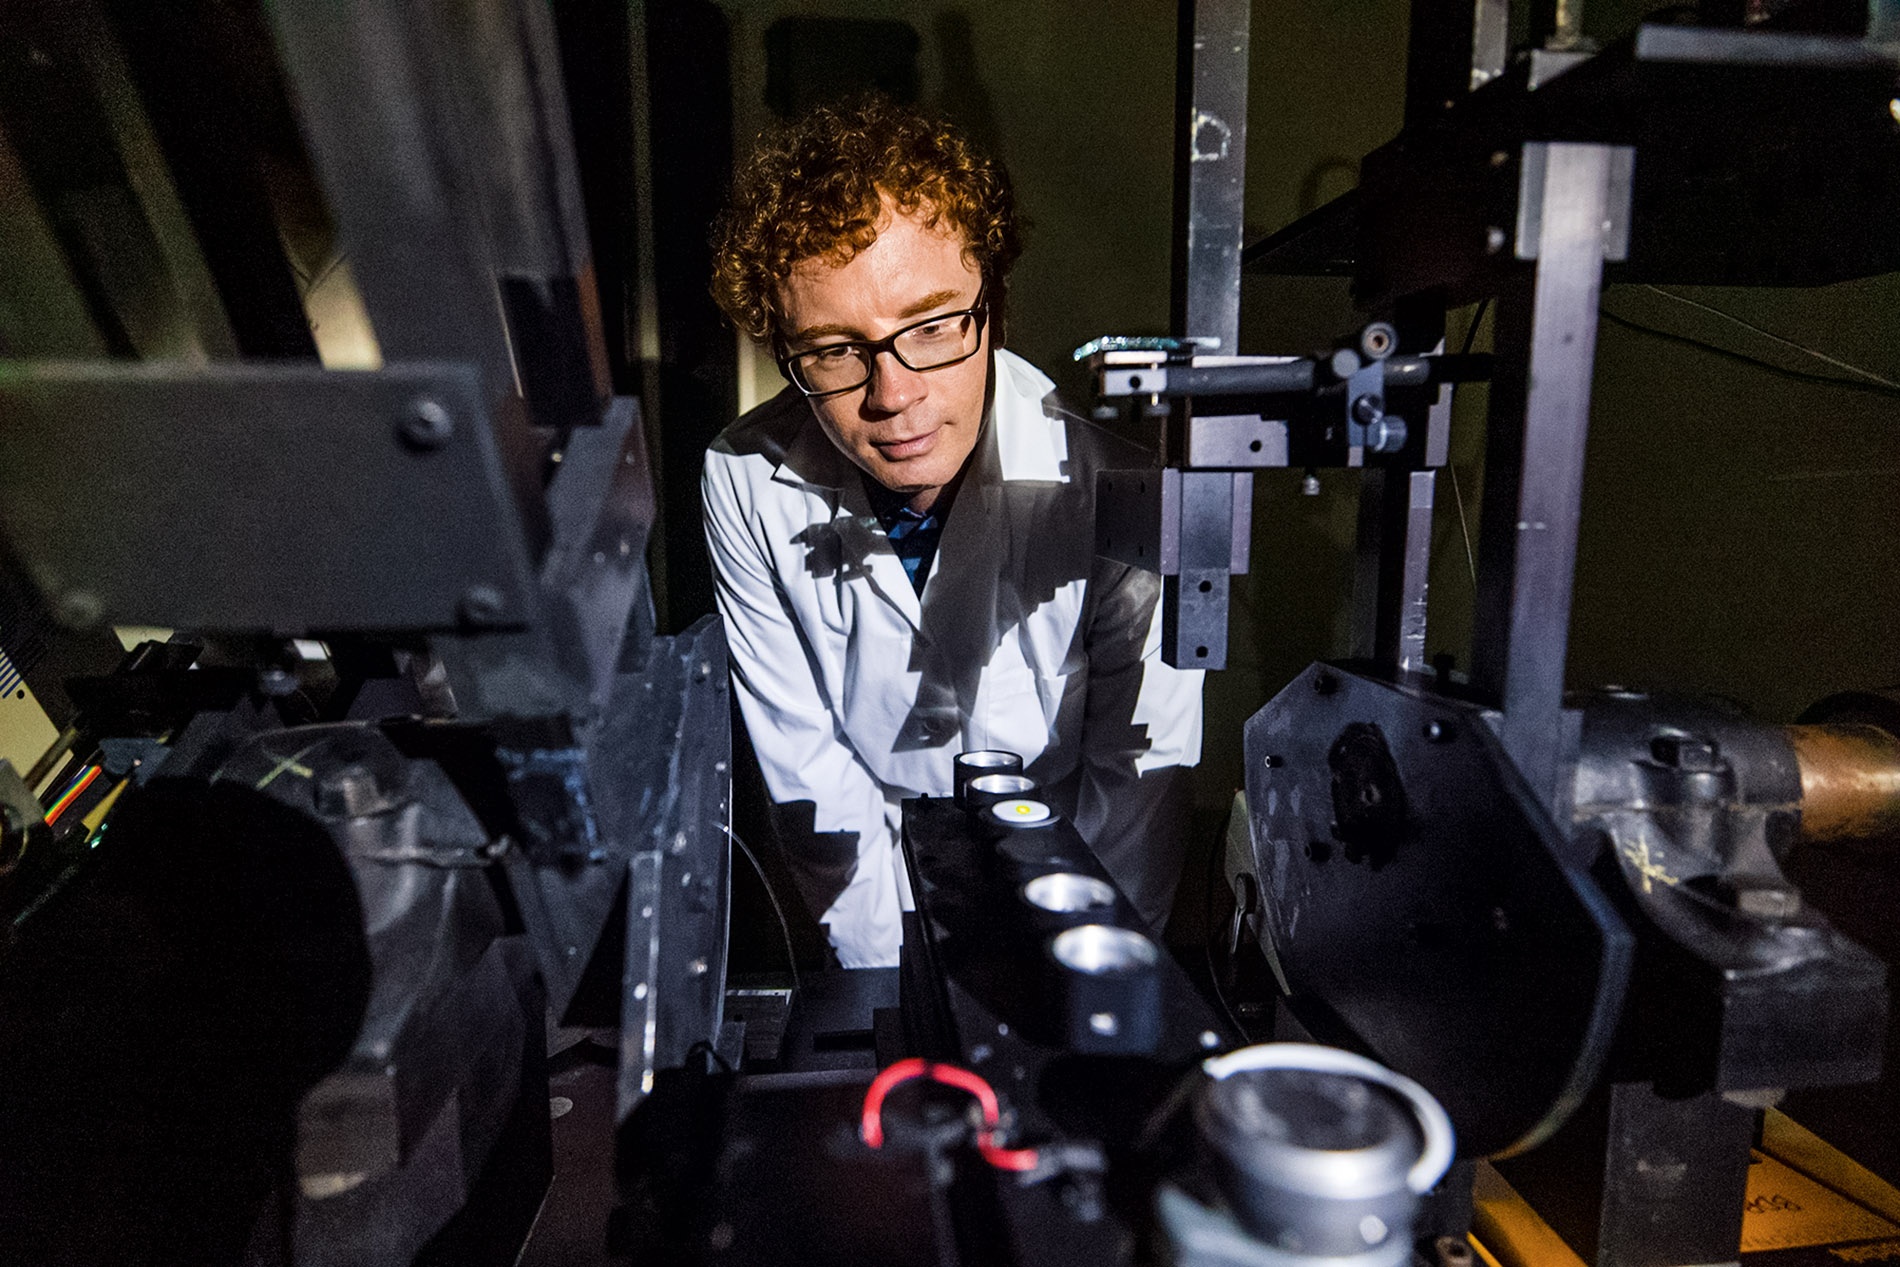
{"x": 1787, "y": 1210}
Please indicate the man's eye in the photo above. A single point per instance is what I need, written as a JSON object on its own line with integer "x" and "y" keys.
{"x": 935, "y": 330}
{"x": 836, "y": 354}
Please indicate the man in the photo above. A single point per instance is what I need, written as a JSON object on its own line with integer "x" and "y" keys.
{"x": 903, "y": 539}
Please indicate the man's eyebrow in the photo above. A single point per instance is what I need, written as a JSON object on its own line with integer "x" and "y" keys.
{"x": 936, "y": 299}
{"x": 820, "y": 332}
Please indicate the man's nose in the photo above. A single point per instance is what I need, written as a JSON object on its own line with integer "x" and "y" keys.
{"x": 894, "y": 386}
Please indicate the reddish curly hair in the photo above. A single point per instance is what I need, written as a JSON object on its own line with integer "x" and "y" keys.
{"x": 816, "y": 188}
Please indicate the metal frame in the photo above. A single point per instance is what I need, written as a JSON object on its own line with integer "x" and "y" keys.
{"x": 1540, "y": 416}
{"x": 1210, "y": 166}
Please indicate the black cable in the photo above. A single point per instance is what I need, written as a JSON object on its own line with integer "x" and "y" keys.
{"x": 791, "y": 958}
{"x": 1800, "y": 376}
{"x": 1471, "y": 332}
{"x": 1214, "y": 857}
{"x": 1770, "y": 335}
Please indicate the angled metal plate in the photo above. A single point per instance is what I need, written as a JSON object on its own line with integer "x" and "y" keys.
{"x": 120, "y": 492}
{"x": 674, "y": 985}
{"x": 1423, "y": 907}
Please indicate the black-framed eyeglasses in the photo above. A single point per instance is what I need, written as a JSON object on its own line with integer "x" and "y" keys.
{"x": 930, "y": 344}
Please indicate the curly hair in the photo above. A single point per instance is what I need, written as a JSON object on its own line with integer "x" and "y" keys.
{"x": 816, "y": 188}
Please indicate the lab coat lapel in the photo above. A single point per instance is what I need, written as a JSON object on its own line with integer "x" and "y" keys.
{"x": 959, "y": 630}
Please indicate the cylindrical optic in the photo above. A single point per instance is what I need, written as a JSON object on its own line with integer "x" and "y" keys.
{"x": 987, "y": 789}
{"x": 1102, "y": 949}
{"x": 1314, "y": 1162}
{"x": 973, "y": 765}
{"x": 1067, "y": 893}
{"x": 1019, "y": 812}
{"x": 1322, "y": 1154}
{"x": 1850, "y": 782}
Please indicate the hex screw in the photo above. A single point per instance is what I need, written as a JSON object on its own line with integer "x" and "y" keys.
{"x": 426, "y": 426}
{"x": 1368, "y": 409}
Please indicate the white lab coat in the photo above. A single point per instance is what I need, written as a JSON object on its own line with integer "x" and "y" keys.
{"x": 857, "y": 693}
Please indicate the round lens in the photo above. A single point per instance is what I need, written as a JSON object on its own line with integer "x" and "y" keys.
{"x": 833, "y": 369}
{"x": 1099, "y": 949}
{"x": 938, "y": 342}
{"x": 1065, "y": 893}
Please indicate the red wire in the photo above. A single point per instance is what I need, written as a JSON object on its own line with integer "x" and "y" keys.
{"x": 871, "y": 1122}
{"x": 964, "y": 1080}
{"x": 1009, "y": 1158}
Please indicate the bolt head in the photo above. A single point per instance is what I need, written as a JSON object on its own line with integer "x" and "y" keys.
{"x": 482, "y": 604}
{"x": 1441, "y": 730}
{"x": 1495, "y": 240}
{"x": 426, "y": 426}
{"x": 1368, "y": 409}
{"x": 276, "y": 682}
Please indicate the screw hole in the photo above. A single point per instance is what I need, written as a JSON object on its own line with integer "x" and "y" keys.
{"x": 1206, "y": 586}
{"x": 1254, "y": 447}
{"x": 1200, "y": 653}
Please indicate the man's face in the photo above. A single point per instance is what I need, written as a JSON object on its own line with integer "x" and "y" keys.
{"x": 909, "y": 430}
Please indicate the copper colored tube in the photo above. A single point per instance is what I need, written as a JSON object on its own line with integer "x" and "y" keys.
{"x": 1850, "y": 782}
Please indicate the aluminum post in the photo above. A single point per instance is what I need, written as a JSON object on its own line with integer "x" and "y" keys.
{"x": 1210, "y": 166}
